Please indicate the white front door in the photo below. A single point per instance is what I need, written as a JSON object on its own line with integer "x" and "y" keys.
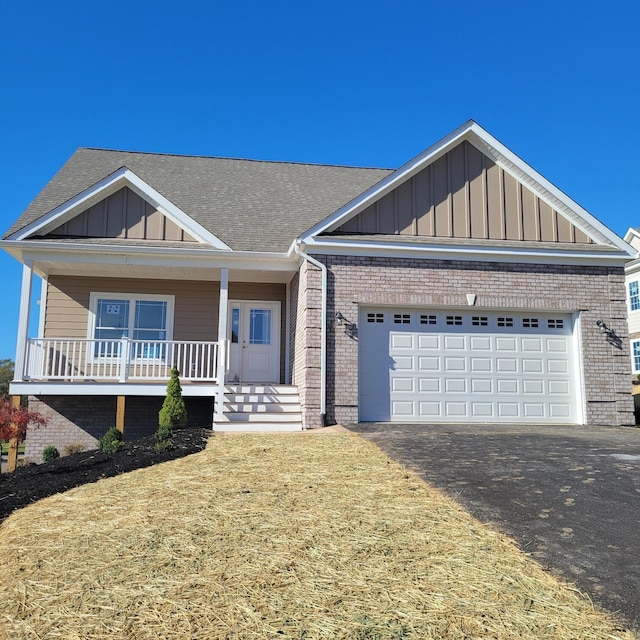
{"x": 254, "y": 334}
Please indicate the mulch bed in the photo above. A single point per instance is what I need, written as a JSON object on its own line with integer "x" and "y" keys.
{"x": 31, "y": 483}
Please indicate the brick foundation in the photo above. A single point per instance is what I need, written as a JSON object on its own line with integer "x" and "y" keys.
{"x": 81, "y": 420}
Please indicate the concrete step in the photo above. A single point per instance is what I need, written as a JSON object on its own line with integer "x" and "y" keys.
{"x": 264, "y": 407}
{"x": 261, "y": 417}
{"x": 239, "y": 427}
{"x": 263, "y": 398}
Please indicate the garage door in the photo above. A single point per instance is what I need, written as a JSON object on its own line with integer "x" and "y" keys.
{"x": 461, "y": 366}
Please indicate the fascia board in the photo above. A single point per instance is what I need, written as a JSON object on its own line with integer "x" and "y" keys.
{"x": 105, "y": 187}
{"x": 631, "y": 234}
{"x": 106, "y": 389}
{"x": 387, "y": 184}
{"x": 467, "y": 253}
{"x": 106, "y": 254}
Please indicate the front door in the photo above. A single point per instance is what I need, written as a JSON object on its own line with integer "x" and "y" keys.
{"x": 254, "y": 334}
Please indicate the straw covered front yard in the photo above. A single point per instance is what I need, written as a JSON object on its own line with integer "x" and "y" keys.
{"x": 274, "y": 536}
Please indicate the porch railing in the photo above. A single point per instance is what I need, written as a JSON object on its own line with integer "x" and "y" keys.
{"x": 120, "y": 360}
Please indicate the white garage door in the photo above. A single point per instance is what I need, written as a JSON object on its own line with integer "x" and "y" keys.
{"x": 461, "y": 366}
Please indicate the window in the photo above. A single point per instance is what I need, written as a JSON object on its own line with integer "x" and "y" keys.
{"x": 428, "y": 320}
{"x": 454, "y": 320}
{"x": 530, "y": 323}
{"x": 634, "y": 296}
{"x": 375, "y": 317}
{"x": 505, "y": 322}
{"x": 479, "y": 321}
{"x": 555, "y": 323}
{"x": 401, "y": 318}
{"x": 141, "y": 317}
{"x": 635, "y": 352}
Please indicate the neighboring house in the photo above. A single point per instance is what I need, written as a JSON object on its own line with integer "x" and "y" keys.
{"x": 461, "y": 287}
{"x": 633, "y": 300}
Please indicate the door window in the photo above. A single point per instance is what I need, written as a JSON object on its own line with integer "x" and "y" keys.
{"x": 260, "y": 326}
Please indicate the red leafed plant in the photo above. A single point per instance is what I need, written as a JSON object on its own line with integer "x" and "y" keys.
{"x": 15, "y": 420}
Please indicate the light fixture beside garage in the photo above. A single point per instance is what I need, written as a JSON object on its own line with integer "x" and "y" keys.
{"x": 612, "y": 337}
{"x": 471, "y": 299}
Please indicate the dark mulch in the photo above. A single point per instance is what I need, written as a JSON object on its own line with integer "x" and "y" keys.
{"x": 29, "y": 484}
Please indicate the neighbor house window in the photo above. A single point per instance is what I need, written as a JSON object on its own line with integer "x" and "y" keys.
{"x": 139, "y": 317}
{"x": 634, "y": 296}
{"x": 635, "y": 353}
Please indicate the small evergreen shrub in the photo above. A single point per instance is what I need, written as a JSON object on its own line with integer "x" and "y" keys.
{"x": 50, "y": 453}
{"x": 111, "y": 441}
{"x": 173, "y": 414}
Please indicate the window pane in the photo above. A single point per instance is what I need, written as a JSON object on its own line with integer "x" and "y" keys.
{"x": 260, "y": 326}
{"x": 235, "y": 325}
{"x": 151, "y": 314}
{"x": 112, "y": 314}
{"x": 634, "y": 296}
{"x": 149, "y": 334}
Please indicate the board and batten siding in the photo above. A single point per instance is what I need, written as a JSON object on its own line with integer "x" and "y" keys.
{"x": 123, "y": 214}
{"x": 464, "y": 194}
{"x": 195, "y": 312}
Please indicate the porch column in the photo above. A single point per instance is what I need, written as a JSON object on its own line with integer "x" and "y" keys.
{"x": 23, "y": 320}
{"x": 223, "y": 313}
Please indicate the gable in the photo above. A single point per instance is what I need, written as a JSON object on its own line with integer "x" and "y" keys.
{"x": 123, "y": 214}
{"x": 464, "y": 194}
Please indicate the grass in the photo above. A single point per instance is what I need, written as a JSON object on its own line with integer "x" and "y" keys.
{"x": 4, "y": 447}
{"x": 275, "y": 536}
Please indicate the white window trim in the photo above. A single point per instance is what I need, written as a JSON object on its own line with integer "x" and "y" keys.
{"x": 633, "y": 359}
{"x": 629, "y": 283}
{"x": 132, "y": 297}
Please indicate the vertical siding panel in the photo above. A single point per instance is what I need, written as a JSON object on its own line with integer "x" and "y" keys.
{"x": 494, "y": 198}
{"x": 172, "y": 230}
{"x": 529, "y": 215}
{"x": 368, "y": 220}
{"x": 424, "y": 203}
{"x": 77, "y": 226}
{"x": 440, "y": 186}
{"x": 134, "y": 216}
{"x": 564, "y": 228}
{"x": 547, "y": 224}
{"x": 386, "y": 214}
{"x": 582, "y": 237}
{"x": 155, "y": 228}
{"x": 351, "y": 226}
{"x": 511, "y": 208}
{"x": 115, "y": 206}
{"x": 477, "y": 201}
{"x": 95, "y": 220}
{"x": 404, "y": 208}
{"x": 458, "y": 195}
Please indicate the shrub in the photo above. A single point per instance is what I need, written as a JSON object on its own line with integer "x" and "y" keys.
{"x": 173, "y": 413}
{"x": 50, "y": 453}
{"x": 111, "y": 441}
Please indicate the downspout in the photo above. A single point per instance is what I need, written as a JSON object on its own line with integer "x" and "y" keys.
{"x": 323, "y": 330}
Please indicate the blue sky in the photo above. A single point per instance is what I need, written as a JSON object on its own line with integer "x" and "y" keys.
{"x": 357, "y": 83}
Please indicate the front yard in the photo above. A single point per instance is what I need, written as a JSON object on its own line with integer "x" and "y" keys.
{"x": 274, "y": 536}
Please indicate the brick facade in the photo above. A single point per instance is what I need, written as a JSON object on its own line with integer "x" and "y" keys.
{"x": 597, "y": 293}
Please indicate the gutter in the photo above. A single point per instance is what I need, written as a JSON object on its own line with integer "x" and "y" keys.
{"x": 323, "y": 329}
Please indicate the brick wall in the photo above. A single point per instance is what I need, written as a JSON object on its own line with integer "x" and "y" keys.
{"x": 306, "y": 314}
{"x": 597, "y": 293}
{"x": 81, "y": 420}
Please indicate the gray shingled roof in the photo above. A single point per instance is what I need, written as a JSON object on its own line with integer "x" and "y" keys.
{"x": 248, "y": 204}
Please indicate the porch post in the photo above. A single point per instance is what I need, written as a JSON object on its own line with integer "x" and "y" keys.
{"x": 223, "y": 312}
{"x": 23, "y": 320}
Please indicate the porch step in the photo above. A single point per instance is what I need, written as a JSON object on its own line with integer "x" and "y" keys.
{"x": 260, "y": 408}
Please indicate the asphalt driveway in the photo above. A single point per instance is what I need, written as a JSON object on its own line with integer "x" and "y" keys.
{"x": 570, "y": 496}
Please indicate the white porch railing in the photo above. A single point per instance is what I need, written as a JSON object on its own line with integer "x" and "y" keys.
{"x": 120, "y": 360}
